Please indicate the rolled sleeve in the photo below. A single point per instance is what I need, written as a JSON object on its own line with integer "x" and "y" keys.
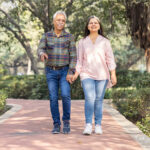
{"x": 42, "y": 46}
{"x": 110, "y": 60}
{"x": 79, "y": 56}
{"x": 72, "y": 56}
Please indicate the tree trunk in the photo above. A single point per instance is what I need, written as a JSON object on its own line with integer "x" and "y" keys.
{"x": 29, "y": 67}
{"x": 15, "y": 70}
{"x": 20, "y": 36}
{"x": 139, "y": 26}
{"x": 148, "y": 60}
{"x": 31, "y": 57}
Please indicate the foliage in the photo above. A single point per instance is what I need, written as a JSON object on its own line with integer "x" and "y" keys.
{"x": 133, "y": 104}
{"x": 127, "y": 78}
{"x": 144, "y": 125}
{"x": 2, "y": 70}
{"x": 27, "y": 87}
{"x": 139, "y": 11}
{"x": 35, "y": 87}
{"x": 142, "y": 81}
{"x": 133, "y": 99}
{"x": 32, "y": 18}
{"x": 3, "y": 97}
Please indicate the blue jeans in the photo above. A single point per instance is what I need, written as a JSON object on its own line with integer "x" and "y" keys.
{"x": 94, "y": 91}
{"x": 57, "y": 79}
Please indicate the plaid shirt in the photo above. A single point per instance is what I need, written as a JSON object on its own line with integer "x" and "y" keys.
{"x": 61, "y": 50}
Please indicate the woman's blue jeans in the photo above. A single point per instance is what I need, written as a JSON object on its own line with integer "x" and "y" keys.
{"x": 94, "y": 91}
{"x": 57, "y": 79}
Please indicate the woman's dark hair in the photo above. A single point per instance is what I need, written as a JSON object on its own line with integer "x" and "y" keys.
{"x": 87, "y": 32}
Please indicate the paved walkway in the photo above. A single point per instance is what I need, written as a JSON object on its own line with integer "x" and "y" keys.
{"x": 30, "y": 129}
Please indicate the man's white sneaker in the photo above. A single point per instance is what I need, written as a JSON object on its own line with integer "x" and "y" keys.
{"x": 98, "y": 129}
{"x": 88, "y": 129}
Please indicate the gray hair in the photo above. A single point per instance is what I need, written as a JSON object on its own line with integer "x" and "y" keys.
{"x": 60, "y": 12}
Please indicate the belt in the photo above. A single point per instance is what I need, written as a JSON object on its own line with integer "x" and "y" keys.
{"x": 57, "y": 67}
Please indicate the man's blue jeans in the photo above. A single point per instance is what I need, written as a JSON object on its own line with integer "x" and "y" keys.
{"x": 57, "y": 79}
{"x": 94, "y": 91}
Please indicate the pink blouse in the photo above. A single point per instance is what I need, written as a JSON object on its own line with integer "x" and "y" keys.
{"x": 95, "y": 60}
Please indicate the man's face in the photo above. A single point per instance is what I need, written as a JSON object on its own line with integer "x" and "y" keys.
{"x": 59, "y": 22}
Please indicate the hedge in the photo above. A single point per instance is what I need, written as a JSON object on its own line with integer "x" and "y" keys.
{"x": 35, "y": 87}
{"x": 3, "y": 97}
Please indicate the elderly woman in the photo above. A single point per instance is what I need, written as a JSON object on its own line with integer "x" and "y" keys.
{"x": 95, "y": 62}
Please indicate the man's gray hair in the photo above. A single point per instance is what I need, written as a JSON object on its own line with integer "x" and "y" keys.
{"x": 59, "y": 12}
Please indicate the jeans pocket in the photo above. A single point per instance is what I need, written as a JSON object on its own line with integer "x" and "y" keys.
{"x": 48, "y": 70}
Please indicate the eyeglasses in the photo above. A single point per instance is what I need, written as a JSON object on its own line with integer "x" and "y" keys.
{"x": 60, "y": 20}
{"x": 93, "y": 23}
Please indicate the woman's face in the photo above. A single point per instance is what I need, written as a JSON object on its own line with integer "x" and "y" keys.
{"x": 93, "y": 25}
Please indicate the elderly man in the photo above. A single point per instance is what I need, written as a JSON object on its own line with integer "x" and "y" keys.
{"x": 57, "y": 50}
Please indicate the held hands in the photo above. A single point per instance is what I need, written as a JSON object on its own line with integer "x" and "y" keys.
{"x": 43, "y": 57}
{"x": 75, "y": 76}
{"x": 69, "y": 78}
{"x": 72, "y": 78}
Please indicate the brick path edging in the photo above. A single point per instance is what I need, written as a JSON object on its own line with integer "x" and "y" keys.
{"x": 14, "y": 108}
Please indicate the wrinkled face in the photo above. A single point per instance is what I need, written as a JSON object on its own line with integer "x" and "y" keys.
{"x": 59, "y": 22}
{"x": 93, "y": 25}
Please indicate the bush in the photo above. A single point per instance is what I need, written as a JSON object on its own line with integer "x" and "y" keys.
{"x": 3, "y": 97}
{"x": 34, "y": 87}
{"x": 2, "y": 70}
{"x": 27, "y": 87}
{"x": 128, "y": 78}
{"x": 132, "y": 104}
{"x": 142, "y": 81}
{"x": 125, "y": 78}
{"x": 135, "y": 106}
{"x": 144, "y": 125}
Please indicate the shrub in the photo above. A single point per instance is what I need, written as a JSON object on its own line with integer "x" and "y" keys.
{"x": 128, "y": 78}
{"x": 132, "y": 104}
{"x": 142, "y": 81}
{"x": 125, "y": 78}
{"x": 135, "y": 106}
{"x": 144, "y": 125}
{"x": 34, "y": 87}
{"x": 3, "y": 97}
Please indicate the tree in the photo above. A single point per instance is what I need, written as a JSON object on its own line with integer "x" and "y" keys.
{"x": 27, "y": 18}
{"x": 138, "y": 13}
{"x": 13, "y": 25}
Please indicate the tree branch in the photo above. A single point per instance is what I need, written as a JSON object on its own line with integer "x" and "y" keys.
{"x": 43, "y": 18}
{"x": 10, "y": 19}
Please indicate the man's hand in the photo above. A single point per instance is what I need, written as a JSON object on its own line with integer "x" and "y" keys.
{"x": 69, "y": 78}
{"x": 43, "y": 57}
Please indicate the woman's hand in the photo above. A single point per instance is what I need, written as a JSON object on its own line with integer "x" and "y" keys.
{"x": 113, "y": 77}
{"x": 75, "y": 76}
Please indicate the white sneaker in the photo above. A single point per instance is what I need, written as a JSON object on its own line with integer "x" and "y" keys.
{"x": 98, "y": 129}
{"x": 88, "y": 129}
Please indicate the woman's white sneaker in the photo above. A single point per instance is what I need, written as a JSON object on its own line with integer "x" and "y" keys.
{"x": 98, "y": 129}
{"x": 88, "y": 129}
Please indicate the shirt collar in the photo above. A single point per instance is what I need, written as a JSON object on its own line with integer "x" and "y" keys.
{"x": 62, "y": 33}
